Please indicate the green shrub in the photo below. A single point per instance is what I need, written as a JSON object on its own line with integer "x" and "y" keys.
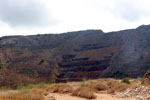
{"x": 52, "y": 82}
{"x": 3, "y": 88}
{"x": 42, "y": 60}
{"x": 140, "y": 78}
{"x": 116, "y": 72}
{"x": 41, "y": 85}
{"x": 126, "y": 80}
{"x": 83, "y": 83}
{"x": 1, "y": 66}
{"x": 24, "y": 86}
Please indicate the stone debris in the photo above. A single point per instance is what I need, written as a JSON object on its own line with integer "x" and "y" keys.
{"x": 138, "y": 92}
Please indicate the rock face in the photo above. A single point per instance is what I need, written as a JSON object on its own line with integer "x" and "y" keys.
{"x": 76, "y": 55}
{"x": 73, "y": 69}
{"x": 146, "y": 78}
{"x": 147, "y": 74}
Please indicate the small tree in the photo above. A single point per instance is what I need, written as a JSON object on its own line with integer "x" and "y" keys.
{"x": 52, "y": 82}
{"x": 1, "y": 66}
{"x": 126, "y": 80}
{"x": 117, "y": 72}
{"x": 42, "y": 60}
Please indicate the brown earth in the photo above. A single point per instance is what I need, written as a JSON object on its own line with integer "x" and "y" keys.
{"x": 99, "y": 89}
{"x": 69, "y": 97}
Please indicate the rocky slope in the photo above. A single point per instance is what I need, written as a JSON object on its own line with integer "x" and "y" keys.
{"x": 74, "y": 56}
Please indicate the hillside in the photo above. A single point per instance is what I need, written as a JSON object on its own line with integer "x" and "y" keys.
{"x": 74, "y": 55}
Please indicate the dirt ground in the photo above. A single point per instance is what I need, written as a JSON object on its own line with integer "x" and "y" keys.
{"x": 69, "y": 97}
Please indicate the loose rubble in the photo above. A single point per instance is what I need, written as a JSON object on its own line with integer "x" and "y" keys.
{"x": 138, "y": 92}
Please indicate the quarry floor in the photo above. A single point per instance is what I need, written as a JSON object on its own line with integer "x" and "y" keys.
{"x": 69, "y": 97}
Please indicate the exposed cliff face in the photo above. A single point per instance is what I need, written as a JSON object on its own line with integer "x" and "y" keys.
{"x": 77, "y": 55}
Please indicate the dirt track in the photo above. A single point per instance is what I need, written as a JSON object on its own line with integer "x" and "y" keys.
{"x": 69, "y": 97}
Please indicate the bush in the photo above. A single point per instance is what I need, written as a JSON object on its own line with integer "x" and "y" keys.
{"x": 1, "y": 66}
{"x": 140, "y": 79}
{"x": 52, "y": 82}
{"x": 118, "y": 87}
{"x": 84, "y": 93}
{"x": 24, "y": 86}
{"x": 125, "y": 80}
{"x": 60, "y": 88}
{"x": 117, "y": 72}
{"x": 3, "y": 88}
{"x": 83, "y": 83}
{"x": 42, "y": 60}
{"x": 29, "y": 95}
{"x": 41, "y": 85}
{"x": 97, "y": 86}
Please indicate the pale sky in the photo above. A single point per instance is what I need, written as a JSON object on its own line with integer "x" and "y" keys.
{"x": 26, "y": 17}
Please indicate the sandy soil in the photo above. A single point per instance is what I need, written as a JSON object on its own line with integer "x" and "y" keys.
{"x": 69, "y": 97}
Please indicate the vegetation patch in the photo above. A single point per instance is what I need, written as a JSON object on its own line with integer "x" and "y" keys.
{"x": 118, "y": 87}
{"x": 31, "y": 86}
{"x": 116, "y": 73}
{"x": 42, "y": 60}
{"x": 84, "y": 93}
{"x": 83, "y": 83}
{"x": 3, "y": 88}
{"x": 52, "y": 82}
{"x": 126, "y": 80}
{"x": 60, "y": 88}
{"x": 41, "y": 85}
{"x": 24, "y": 86}
{"x": 28, "y": 95}
{"x": 1, "y": 66}
{"x": 97, "y": 86}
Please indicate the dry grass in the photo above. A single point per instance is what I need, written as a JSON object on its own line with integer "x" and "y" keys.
{"x": 25, "y": 95}
{"x": 118, "y": 87}
{"x": 97, "y": 86}
{"x": 60, "y": 88}
{"x": 146, "y": 81}
{"x": 110, "y": 85}
{"x": 92, "y": 86}
{"x": 84, "y": 93}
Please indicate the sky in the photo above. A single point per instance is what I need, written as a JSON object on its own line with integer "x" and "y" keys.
{"x": 27, "y": 17}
